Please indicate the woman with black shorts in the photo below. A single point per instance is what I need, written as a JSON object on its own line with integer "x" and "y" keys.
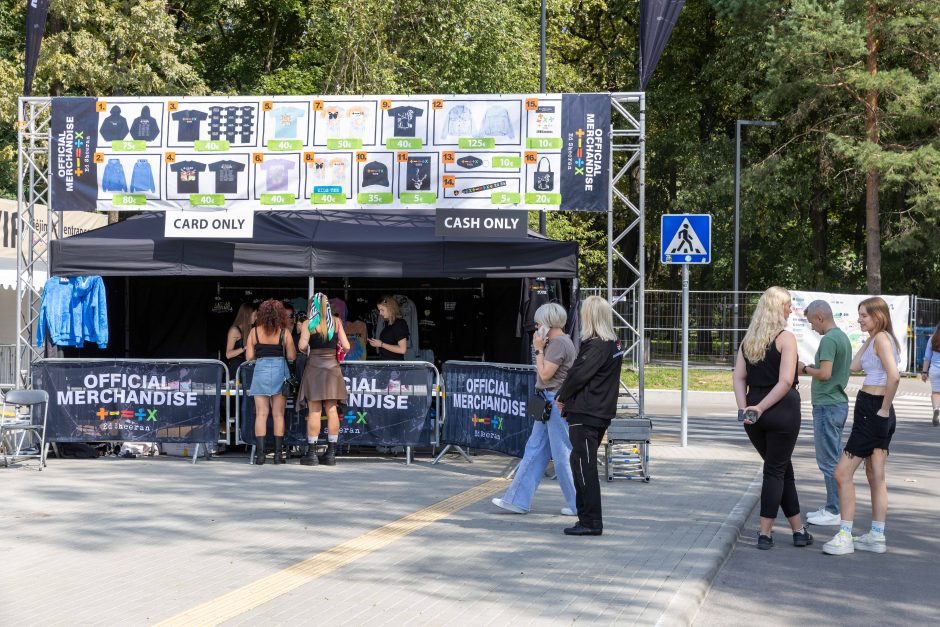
{"x": 769, "y": 406}
{"x": 873, "y": 424}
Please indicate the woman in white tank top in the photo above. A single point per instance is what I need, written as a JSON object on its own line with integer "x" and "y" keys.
{"x": 873, "y": 425}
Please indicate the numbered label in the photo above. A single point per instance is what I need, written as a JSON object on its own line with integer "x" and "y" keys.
{"x": 280, "y": 145}
{"x": 401, "y": 157}
{"x": 506, "y": 198}
{"x": 544, "y": 143}
{"x": 344, "y": 144}
{"x": 404, "y": 143}
{"x": 507, "y": 163}
{"x": 541, "y": 198}
{"x": 437, "y": 104}
{"x": 207, "y": 200}
{"x": 278, "y": 199}
{"x": 470, "y": 143}
{"x": 129, "y": 200}
{"x": 211, "y": 145}
{"x": 375, "y": 198}
{"x": 267, "y": 105}
{"x": 169, "y": 157}
{"x": 385, "y": 105}
{"x": 257, "y": 157}
{"x": 98, "y": 157}
{"x": 362, "y": 156}
{"x": 449, "y": 181}
{"x": 531, "y": 157}
{"x": 531, "y": 104}
{"x": 448, "y": 157}
{"x": 173, "y": 105}
{"x": 310, "y": 157}
{"x": 318, "y": 105}
{"x": 101, "y": 106}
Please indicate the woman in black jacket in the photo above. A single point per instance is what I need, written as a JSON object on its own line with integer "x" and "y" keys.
{"x": 588, "y": 400}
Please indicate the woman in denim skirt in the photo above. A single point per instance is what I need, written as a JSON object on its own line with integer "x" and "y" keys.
{"x": 269, "y": 345}
{"x": 554, "y": 354}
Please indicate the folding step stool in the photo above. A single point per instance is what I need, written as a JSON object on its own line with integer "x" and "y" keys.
{"x": 627, "y": 450}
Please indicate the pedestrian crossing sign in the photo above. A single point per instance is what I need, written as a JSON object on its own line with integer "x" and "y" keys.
{"x": 686, "y": 238}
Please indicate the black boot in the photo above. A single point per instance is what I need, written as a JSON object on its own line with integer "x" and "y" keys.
{"x": 310, "y": 457}
{"x": 279, "y": 449}
{"x": 259, "y": 450}
{"x": 329, "y": 457}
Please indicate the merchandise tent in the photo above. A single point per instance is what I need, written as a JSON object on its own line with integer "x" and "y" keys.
{"x": 161, "y": 290}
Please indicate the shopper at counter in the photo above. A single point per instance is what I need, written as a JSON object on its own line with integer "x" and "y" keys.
{"x": 235, "y": 343}
{"x": 270, "y": 344}
{"x": 393, "y": 340}
{"x": 322, "y": 387}
{"x": 296, "y": 321}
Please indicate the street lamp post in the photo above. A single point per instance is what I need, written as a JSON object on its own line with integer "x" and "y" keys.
{"x": 543, "y": 227}
{"x": 737, "y": 213}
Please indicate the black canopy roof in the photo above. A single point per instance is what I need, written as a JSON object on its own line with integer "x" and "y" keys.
{"x": 335, "y": 243}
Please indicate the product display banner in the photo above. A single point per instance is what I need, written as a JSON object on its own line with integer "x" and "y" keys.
{"x": 486, "y": 406}
{"x": 523, "y": 151}
{"x": 388, "y": 405}
{"x": 845, "y": 311}
{"x": 101, "y": 401}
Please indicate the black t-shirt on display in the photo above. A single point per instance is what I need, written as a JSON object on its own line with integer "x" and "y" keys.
{"x": 392, "y": 334}
{"x": 187, "y": 176}
{"x": 226, "y": 176}
{"x": 189, "y": 122}
{"x": 406, "y": 120}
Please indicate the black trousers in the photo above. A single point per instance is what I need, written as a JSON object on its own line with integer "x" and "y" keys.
{"x": 774, "y": 437}
{"x": 584, "y": 442}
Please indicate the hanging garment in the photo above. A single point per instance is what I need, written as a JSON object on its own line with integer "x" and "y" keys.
{"x": 73, "y": 310}
{"x": 113, "y": 178}
{"x": 114, "y": 126}
{"x": 142, "y": 177}
{"x": 145, "y": 126}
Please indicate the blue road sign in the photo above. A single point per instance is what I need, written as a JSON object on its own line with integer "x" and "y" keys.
{"x": 686, "y": 238}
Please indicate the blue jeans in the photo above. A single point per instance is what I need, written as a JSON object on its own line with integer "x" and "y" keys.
{"x": 828, "y": 423}
{"x": 549, "y": 440}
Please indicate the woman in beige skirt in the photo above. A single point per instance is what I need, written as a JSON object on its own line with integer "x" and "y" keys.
{"x": 322, "y": 387}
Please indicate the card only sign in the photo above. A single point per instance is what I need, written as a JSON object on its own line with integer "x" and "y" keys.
{"x": 235, "y": 223}
{"x": 130, "y": 401}
{"x": 485, "y": 406}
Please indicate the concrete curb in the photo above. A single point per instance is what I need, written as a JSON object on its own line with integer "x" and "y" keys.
{"x": 685, "y": 604}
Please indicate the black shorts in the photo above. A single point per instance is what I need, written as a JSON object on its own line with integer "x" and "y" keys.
{"x": 869, "y": 430}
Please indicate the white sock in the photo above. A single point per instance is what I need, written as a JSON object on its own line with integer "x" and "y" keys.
{"x": 312, "y": 439}
{"x": 332, "y": 438}
{"x": 846, "y": 526}
{"x": 877, "y": 527}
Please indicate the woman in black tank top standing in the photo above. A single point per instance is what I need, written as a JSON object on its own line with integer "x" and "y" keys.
{"x": 269, "y": 345}
{"x": 769, "y": 406}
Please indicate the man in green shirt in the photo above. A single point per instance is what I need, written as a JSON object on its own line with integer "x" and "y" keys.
{"x": 830, "y": 374}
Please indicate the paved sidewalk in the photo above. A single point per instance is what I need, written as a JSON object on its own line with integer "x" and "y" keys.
{"x": 140, "y": 541}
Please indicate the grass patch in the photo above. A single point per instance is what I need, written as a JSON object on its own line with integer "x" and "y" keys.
{"x": 661, "y": 378}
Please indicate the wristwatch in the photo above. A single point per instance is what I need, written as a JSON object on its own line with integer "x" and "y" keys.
{"x": 804, "y": 368}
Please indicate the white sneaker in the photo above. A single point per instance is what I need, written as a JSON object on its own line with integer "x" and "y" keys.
{"x": 567, "y": 511}
{"x": 871, "y": 541}
{"x": 823, "y": 518}
{"x": 841, "y": 544}
{"x": 509, "y": 507}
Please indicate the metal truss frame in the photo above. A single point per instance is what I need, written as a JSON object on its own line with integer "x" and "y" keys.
{"x": 626, "y": 233}
{"x": 35, "y": 224}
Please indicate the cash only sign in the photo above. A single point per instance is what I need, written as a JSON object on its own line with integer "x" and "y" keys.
{"x": 219, "y": 159}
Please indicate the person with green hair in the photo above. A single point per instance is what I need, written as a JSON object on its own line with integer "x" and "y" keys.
{"x": 322, "y": 387}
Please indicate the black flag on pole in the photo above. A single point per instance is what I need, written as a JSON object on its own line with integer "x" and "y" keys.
{"x": 36, "y": 12}
{"x": 657, "y": 19}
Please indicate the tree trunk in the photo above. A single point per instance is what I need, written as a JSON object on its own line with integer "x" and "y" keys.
{"x": 872, "y": 177}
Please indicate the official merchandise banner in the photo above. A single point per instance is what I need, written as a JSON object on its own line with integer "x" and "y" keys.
{"x": 388, "y": 405}
{"x": 524, "y": 151}
{"x": 100, "y": 401}
{"x": 845, "y": 312}
{"x": 486, "y": 406}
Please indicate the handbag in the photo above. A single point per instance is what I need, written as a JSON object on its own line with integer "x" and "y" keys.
{"x": 543, "y": 180}
{"x": 340, "y": 353}
{"x": 538, "y": 408}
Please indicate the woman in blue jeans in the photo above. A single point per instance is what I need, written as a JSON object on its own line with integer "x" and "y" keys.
{"x": 554, "y": 354}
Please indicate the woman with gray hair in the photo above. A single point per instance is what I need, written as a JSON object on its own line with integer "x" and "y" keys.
{"x": 554, "y": 354}
{"x": 588, "y": 399}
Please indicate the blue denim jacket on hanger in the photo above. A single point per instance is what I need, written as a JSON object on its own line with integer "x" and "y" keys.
{"x": 74, "y": 310}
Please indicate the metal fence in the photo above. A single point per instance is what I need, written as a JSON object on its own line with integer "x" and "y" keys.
{"x": 7, "y": 365}
{"x": 715, "y": 328}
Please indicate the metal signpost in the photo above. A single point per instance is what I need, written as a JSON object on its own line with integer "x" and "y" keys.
{"x": 685, "y": 239}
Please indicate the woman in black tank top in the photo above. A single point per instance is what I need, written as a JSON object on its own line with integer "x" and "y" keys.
{"x": 765, "y": 387}
{"x": 270, "y": 346}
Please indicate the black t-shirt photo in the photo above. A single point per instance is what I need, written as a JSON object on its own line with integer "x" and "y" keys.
{"x": 392, "y": 334}
{"x": 187, "y": 176}
{"x": 226, "y": 176}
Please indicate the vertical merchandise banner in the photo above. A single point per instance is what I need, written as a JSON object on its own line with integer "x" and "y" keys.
{"x": 486, "y": 406}
{"x": 585, "y": 157}
{"x": 36, "y": 12}
{"x": 121, "y": 401}
{"x": 74, "y": 132}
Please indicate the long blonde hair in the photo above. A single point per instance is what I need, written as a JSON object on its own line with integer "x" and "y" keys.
{"x": 766, "y": 323}
{"x": 597, "y": 319}
{"x": 880, "y": 313}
